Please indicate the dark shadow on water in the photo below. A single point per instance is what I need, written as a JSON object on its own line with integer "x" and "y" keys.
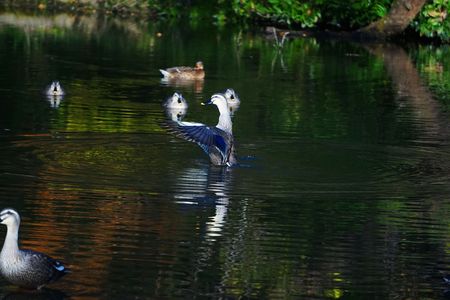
{"x": 43, "y": 294}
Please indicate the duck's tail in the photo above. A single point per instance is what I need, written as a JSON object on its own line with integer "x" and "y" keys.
{"x": 165, "y": 74}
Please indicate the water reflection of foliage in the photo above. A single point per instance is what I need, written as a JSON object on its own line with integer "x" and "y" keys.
{"x": 62, "y": 25}
{"x": 116, "y": 222}
{"x": 108, "y": 172}
{"x": 318, "y": 112}
{"x": 324, "y": 112}
{"x": 434, "y": 63}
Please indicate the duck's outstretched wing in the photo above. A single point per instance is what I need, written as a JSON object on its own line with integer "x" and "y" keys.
{"x": 208, "y": 138}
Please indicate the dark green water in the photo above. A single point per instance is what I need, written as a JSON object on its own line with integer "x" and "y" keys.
{"x": 342, "y": 189}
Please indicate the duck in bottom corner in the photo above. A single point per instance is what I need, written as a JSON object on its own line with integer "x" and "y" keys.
{"x": 25, "y": 268}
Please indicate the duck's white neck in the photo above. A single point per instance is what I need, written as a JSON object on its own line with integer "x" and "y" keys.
{"x": 224, "y": 119}
{"x": 10, "y": 246}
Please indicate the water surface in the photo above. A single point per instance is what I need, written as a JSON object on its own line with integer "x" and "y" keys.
{"x": 341, "y": 191}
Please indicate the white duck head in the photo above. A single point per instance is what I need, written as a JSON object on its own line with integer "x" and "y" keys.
{"x": 55, "y": 89}
{"x": 232, "y": 97}
{"x": 9, "y": 217}
{"x": 176, "y": 101}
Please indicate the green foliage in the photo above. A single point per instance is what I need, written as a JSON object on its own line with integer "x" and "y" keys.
{"x": 352, "y": 14}
{"x": 168, "y": 8}
{"x": 346, "y": 14}
{"x": 279, "y": 11}
{"x": 434, "y": 21}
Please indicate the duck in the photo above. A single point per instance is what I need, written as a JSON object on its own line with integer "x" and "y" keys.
{"x": 176, "y": 101}
{"x": 55, "y": 89}
{"x": 25, "y": 268}
{"x": 186, "y": 73}
{"x": 216, "y": 141}
{"x": 232, "y": 97}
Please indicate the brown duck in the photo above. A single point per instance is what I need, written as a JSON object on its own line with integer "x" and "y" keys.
{"x": 188, "y": 73}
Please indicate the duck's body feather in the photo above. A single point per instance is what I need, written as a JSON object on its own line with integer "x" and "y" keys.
{"x": 25, "y": 268}
{"x": 31, "y": 269}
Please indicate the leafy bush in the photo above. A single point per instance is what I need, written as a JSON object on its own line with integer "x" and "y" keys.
{"x": 434, "y": 21}
{"x": 338, "y": 13}
{"x": 353, "y": 13}
{"x": 280, "y": 11}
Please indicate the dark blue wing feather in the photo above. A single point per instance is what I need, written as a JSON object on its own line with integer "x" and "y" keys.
{"x": 220, "y": 143}
{"x": 203, "y": 135}
{"x": 199, "y": 134}
{"x": 214, "y": 141}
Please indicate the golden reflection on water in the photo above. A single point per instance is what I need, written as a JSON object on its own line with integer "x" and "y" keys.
{"x": 91, "y": 25}
{"x": 91, "y": 228}
{"x": 112, "y": 204}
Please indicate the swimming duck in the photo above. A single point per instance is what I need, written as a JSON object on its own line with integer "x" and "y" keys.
{"x": 232, "y": 97}
{"x": 55, "y": 89}
{"x": 25, "y": 268}
{"x": 176, "y": 101}
{"x": 188, "y": 73}
{"x": 217, "y": 141}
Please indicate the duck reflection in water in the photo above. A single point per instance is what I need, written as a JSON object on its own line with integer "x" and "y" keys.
{"x": 195, "y": 84}
{"x": 205, "y": 188}
{"x": 204, "y": 191}
{"x": 55, "y": 94}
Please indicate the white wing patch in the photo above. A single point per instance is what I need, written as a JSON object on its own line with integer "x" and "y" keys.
{"x": 190, "y": 124}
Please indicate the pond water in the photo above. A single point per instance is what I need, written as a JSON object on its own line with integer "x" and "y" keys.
{"x": 342, "y": 188}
